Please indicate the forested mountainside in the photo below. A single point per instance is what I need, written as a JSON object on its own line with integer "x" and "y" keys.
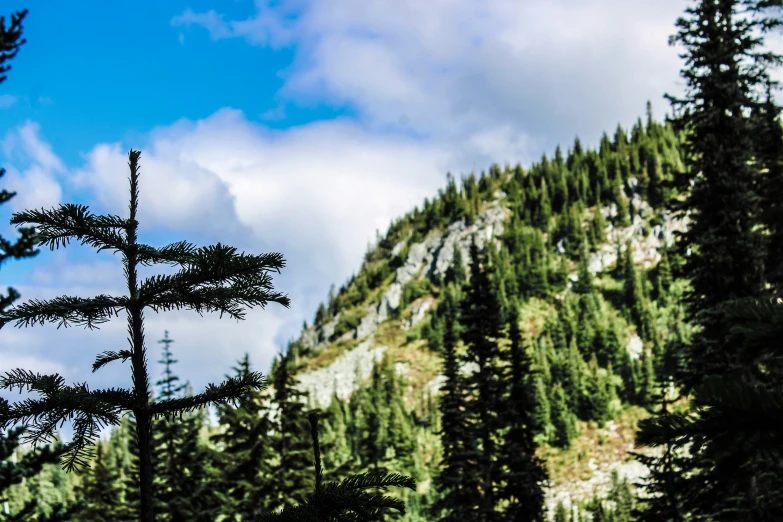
{"x": 574, "y": 250}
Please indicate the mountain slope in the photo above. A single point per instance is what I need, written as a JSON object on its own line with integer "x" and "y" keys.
{"x": 562, "y": 218}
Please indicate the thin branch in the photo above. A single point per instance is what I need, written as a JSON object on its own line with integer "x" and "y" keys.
{"x": 230, "y": 391}
{"x": 66, "y": 311}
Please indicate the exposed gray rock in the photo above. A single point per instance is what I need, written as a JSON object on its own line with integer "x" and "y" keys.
{"x": 560, "y": 247}
{"x": 401, "y": 368}
{"x": 635, "y": 346}
{"x": 418, "y": 312}
{"x": 343, "y": 375}
{"x": 398, "y": 247}
{"x": 309, "y": 338}
{"x": 601, "y": 480}
{"x": 432, "y": 256}
{"x": 327, "y": 330}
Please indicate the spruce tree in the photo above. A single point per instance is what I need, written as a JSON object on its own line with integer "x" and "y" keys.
{"x": 456, "y": 482}
{"x": 244, "y": 455}
{"x": 723, "y": 68}
{"x": 99, "y": 492}
{"x": 524, "y": 474}
{"x": 213, "y": 278}
{"x": 723, "y": 233}
{"x": 481, "y": 318}
{"x": 289, "y": 477}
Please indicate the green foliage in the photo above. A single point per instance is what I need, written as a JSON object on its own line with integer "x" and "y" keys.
{"x": 245, "y": 454}
{"x": 348, "y": 500}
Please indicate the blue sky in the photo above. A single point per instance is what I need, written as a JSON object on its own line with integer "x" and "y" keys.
{"x": 300, "y": 127}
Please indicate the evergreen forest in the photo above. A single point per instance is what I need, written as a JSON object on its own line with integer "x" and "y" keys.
{"x": 514, "y": 349}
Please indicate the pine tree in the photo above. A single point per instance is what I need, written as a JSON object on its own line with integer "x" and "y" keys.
{"x": 10, "y": 42}
{"x": 99, "y": 492}
{"x": 245, "y": 454}
{"x": 481, "y": 318}
{"x": 769, "y": 147}
{"x": 456, "y": 482}
{"x": 290, "y": 481}
{"x": 723, "y": 68}
{"x": 248, "y": 283}
{"x": 524, "y": 474}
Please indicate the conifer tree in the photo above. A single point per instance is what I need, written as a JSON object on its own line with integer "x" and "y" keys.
{"x": 15, "y": 470}
{"x": 481, "y": 318}
{"x": 167, "y": 440}
{"x": 181, "y": 491}
{"x": 456, "y": 482}
{"x": 723, "y": 68}
{"x": 199, "y": 285}
{"x": 290, "y": 480}
{"x": 563, "y": 420}
{"x": 455, "y": 273}
{"x": 524, "y": 474}
{"x": 347, "y": 500}
{"x": 618, "y": 194}
{"x": 245, "y": 454}
{"x": 542, "y": 415}
{"x": 99, "y": 492}
{"x": 373, "y": 441}
{"x": 719, "y": 44}
{"x": 584, "y": 282}
{"x": 28, "y": 465}
{"x": 10, "y": 42}
{"x": 769, "y": 147}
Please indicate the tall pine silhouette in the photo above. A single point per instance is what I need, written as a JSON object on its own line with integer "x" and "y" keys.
{"x": 214, "y": 278}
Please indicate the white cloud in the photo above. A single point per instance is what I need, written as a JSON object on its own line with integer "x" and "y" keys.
{"x": 316, "y": 193}
{"x": 36, "y": 185}
{"x": 456, "y": 70}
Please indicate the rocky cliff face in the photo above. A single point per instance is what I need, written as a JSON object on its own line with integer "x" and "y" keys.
{"x": 435, "y": 254}
{"x": 432, "y": 256}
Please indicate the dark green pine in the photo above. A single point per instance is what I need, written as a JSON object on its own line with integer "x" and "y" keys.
{"x": 99, "y": 492}
{"x": 291, "y": 480}
{"x": 244, "y": 457}
{"x": 481, "y": 318}
{"x": 524, "y": 474}
{"x": 769, "y": 152}
{"x": 456, "y": 483}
